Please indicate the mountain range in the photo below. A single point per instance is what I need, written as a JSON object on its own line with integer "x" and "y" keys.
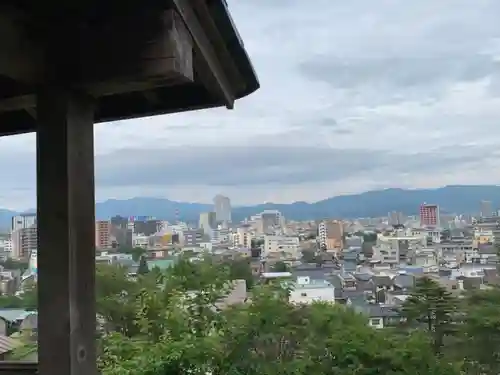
{"x": 451, "y": 199}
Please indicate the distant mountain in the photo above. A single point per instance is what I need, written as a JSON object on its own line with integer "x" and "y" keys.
{"x": 5, "y": 219}
{"x": 459, "y": 199}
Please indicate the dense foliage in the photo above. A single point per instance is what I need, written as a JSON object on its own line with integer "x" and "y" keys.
{"x": 174, "y": 322}
{"x": 179, "y": 328}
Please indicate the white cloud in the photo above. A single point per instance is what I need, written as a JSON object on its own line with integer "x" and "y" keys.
{"x": 355, "y": 95}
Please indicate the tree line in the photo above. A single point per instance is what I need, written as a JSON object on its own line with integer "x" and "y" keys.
{"x": 173, "y": 322}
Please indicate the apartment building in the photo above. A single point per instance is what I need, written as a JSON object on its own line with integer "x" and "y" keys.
{"x": 429, "y": 215}
{"x": 284, "y": 247}
{"x": 220, "y": 236}
{"x": 191, "y": 237}
{"x": 23, "y": 235}
{"x": 243, "y": 236}
{"x": 24, "y": 241}
{"x": 140, "y": 240}
{"x": 103, "y": 234}
{"x": 23, "y": 221}
{"x": 331, "y": 235}
{"x": 397, "y": 247}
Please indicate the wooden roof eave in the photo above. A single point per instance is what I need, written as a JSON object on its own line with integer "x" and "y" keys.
{"x": 223, "y": 73}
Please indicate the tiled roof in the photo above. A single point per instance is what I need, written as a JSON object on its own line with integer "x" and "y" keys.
{"x": 8, "y": 344}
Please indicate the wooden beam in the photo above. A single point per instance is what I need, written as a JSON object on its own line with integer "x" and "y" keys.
{"x": 220, "y": 47}
{"x": 66, "y": 233}
{"x": 223, "y": 86}
{"x": 151, "y": 97}
{"x": 18, "y": 102}
{"x": 31, "y": 112}
{"x": 20, "y": 59}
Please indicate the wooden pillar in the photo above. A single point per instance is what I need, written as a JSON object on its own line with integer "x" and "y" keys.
{"x": 66, "y": 240}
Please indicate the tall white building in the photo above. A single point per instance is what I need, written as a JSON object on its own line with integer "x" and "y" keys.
{"x": 243, "y": 236}
{"x": 23, "y": 221}
{"x": 222, "y": 208}
{"x": 208, "y": 222}
{"x": 23, "y": 235}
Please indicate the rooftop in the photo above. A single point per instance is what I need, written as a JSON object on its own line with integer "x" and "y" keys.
{"x": 181, "y": 56}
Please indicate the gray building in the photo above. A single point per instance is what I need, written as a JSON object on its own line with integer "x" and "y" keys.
{"x": 24, "y": 241}
{"x": 270, "y": 221}
{"x": 486, "y": 209}
{"x": 208, "y": 222}
{"x": 192, "y": 237}
{"x": 23, "y": 221}
{"x": 222, "y": 208}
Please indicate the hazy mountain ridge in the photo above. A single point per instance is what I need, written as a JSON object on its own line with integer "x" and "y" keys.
{"x": 457, "y": 198}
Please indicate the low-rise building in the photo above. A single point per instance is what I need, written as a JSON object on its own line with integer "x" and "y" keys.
{"x": 286, "y": 248}
{"x": 307, "y": 291}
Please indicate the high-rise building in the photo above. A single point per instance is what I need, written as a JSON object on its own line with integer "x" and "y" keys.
{"x": 119, "y": 221}
{"x": 243, "y": 236}
{"x": 103, "y": 234}
{"x": 208, "y": 222}
{"x": 24, "y": 235}
{"x": 147, "y": 227}
{"x": 24, "y": 242}
{"x": 222, "y": 208}
{"x": 271, "y": 221}
{"x": 486, "y": 209}
{"x": 395, "y": 218}
{"x": 331, "y": 235}
{"x": 429, "y": 215}
{"x": 23, "y": 221}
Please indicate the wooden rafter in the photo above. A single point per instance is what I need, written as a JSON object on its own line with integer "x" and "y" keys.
{"x": 203, "y": 46}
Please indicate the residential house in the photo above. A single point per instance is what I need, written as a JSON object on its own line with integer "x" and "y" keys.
{"x": 378, "y": 315}
{"x": 308, "y": 291}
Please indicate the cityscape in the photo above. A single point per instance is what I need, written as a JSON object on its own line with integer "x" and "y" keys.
{"x": 264, "y": 187}
{"x": 335, "y": 261}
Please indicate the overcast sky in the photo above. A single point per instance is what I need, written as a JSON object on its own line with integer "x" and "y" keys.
{"x": 356, "y": 95}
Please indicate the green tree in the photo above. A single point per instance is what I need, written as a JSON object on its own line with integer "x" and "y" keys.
{"x": 26, "y": 300}
{"x": 240, "y": 269}
{"x": 280, "y": 267}
{"x": 178, "y": 324}
{"x": 182, "y": 333}
{"x": 143, "y": 266}
{"x": 369, "y": 237}
{"x": 13, "y": 264}
{"x": 479, "y": 341}
{"x": 11, "y": 302}
{"x": 255, "y": 243}
{"x": 116, "y": 296}
{"x": 433, "y": 308}
{"x": 136, "y": 252}
{"x": 30, "y": 295}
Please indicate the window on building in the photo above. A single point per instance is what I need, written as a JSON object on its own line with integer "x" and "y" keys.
{"x": 376, "y": 321}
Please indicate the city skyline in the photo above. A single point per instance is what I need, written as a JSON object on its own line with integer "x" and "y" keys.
{"x": 354, "y": 97}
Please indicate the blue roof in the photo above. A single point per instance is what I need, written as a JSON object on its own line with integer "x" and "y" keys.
{"x": 12, "y": 315}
